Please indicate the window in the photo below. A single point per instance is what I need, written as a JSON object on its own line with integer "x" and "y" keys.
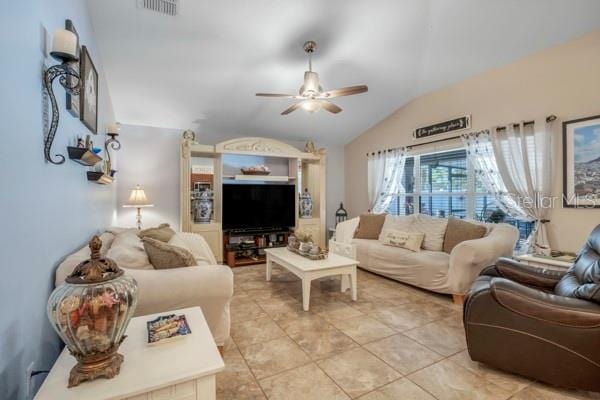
{"x": 444, "y": 184}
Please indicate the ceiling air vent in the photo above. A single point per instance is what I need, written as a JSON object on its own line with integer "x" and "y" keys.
{"x": 168, "y": 7}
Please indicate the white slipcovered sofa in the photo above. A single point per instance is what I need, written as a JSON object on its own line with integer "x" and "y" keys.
{"x": 207, "y": 285}
{"x": 432, "y": 270}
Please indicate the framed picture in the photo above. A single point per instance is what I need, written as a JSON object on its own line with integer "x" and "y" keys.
{"x": 581, "y": 163}
{"x": 88, "y": 95}
{"x": 73, "y": 101}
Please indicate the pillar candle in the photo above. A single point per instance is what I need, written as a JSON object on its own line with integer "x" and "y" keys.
{"x": 112, "y": 127}
{"x": 64, "y": 41}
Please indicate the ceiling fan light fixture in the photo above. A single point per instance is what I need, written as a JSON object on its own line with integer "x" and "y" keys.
{"x": 312, "y": 106}
{"x": 311, "y": 94}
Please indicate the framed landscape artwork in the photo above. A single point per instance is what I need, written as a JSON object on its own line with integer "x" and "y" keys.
{"x": 88, "y": 92}
{"x": 581, "y": 162}
{"x": 73, "y": 101}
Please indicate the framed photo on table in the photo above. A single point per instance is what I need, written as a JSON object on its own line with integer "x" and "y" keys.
{"x": 581, "y": 163}
{"x": 89, "y": 91}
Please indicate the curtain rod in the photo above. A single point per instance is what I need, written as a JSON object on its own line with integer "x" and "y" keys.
{"x": 549, "y": 118}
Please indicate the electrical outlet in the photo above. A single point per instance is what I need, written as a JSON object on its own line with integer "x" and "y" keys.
{"x": 28, "y": 382}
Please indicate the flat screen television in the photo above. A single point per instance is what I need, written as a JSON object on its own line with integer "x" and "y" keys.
{"x": 251, "y": 206}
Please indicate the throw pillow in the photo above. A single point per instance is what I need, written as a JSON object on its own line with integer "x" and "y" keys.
{"x": 128, "y": 251}
{"x": 458, "y": 231}
{"x": 434, "y": 230}
{"x": 163, "y": 255}
{"x": 407, "y": 240}
{"x": 163, "y": 232}
{"x": 398, "y": 223}
{"x": 176, "y": 240}
{"x": 369, "y": 226}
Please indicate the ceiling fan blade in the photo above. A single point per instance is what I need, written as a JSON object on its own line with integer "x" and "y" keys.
{"x": 290, "y": 96}
{"x": 332, "y": 108}
{"x": 291, "y": 108}
{"x": 347, "y": 91}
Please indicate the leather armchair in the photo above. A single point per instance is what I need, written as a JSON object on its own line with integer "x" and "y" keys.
{"x": 540, "y": 323}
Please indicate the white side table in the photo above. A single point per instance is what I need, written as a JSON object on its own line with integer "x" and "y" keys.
{"x": 536, "y": 261}
{"x": 183, "y": 369}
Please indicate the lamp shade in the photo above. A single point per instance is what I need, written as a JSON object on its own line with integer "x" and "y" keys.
{"x": 138, "y": 198}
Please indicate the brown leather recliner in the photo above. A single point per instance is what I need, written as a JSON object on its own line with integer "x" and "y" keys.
{"x": 540, "y": 323}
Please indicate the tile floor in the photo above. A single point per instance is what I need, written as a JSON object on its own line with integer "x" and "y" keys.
{"x": 395, "y": 342}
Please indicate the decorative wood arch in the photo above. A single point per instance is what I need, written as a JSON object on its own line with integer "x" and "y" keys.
{"x": 261, "y": 147}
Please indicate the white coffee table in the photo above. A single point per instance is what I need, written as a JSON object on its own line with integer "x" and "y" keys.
{"x": 183, "y": 369}
{"x": 307, "y": 270}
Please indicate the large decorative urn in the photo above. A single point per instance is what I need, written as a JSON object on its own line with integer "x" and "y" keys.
{"x": 306, "y": 205}
{"x": 203, "y": 207}
{"x": 90, "y": 312}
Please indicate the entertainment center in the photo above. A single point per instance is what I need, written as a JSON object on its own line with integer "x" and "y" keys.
{"x": 250, "y": 212}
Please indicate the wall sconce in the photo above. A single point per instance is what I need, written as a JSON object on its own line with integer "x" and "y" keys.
{"x": 112, "y": 131}
{"x": 64, "y": 49}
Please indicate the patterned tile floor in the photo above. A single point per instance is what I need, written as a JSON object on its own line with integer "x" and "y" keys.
{"x": 395, "y": 342}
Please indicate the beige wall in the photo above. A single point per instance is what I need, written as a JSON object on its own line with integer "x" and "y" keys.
{"x": 563, "y": 80}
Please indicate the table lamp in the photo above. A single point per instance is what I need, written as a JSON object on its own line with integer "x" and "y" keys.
{"x": 138, "y": 199}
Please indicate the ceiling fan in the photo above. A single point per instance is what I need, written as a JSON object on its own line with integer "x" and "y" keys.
{"x": 311, "y": 93}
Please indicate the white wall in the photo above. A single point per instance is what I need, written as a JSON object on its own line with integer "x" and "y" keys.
{"x": 47, "y": 210}
{"x": 562, "y": 80}
{"x": 150, "y": 157}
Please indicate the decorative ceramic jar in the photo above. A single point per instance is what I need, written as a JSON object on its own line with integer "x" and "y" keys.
{"x": 90, "y": 312}
{"x": 203, "y": 206}
{"x": 306, "y": 205}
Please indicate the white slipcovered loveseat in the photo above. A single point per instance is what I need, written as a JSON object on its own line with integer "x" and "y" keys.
{"x": 207, "y": 285}
{"x": 432, "y": 270}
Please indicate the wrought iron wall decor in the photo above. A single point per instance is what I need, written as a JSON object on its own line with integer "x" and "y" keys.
{"x": 115, "y": 145}
{"x": 61, "y": 71}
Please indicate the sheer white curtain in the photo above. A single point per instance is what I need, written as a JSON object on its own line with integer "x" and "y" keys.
{"x": 523, "y": 153}
{"x": 481, "y": 155}
{"x": 385, "y": 169}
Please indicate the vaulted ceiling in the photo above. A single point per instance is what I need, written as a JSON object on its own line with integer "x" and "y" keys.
{"x": 201, "y": 68}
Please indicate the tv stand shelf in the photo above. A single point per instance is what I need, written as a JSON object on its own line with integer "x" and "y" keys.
{"x": 237, "y": 254}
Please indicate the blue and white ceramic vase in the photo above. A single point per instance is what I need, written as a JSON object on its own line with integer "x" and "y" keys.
{"x": 203, "y": 208}
{"x": 306, "y": 205}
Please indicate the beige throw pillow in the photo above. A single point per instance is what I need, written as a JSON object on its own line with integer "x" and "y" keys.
{"x": 128, "y": 251}
{"x": 163, "y": 232}
{"x": 176, "y": 240}
{"x": 458, "y": 231}
{"x": 398, "y": 223}
{"x": 434, "y": 229}
{"x": 369, "y": 226}
{"x": 407, "y": 240}
{"x": 164, "y": 256}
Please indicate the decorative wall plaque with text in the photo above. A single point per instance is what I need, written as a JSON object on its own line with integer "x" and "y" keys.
{"x": 452, "y": 125}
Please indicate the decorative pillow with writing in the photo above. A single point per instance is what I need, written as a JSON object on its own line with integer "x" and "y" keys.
{"x": 458, "y": 231}
{"x": 163, "y": 232}
{"x": 165, "y": 256}
{"x": 398, "y": 223}
{"x": 434, "y": 230}
{"x": 369, "y": 226}
{"x": 407, "y": 240}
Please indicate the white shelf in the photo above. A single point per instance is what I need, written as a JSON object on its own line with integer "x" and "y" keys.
{"x": 262, "y": 178}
